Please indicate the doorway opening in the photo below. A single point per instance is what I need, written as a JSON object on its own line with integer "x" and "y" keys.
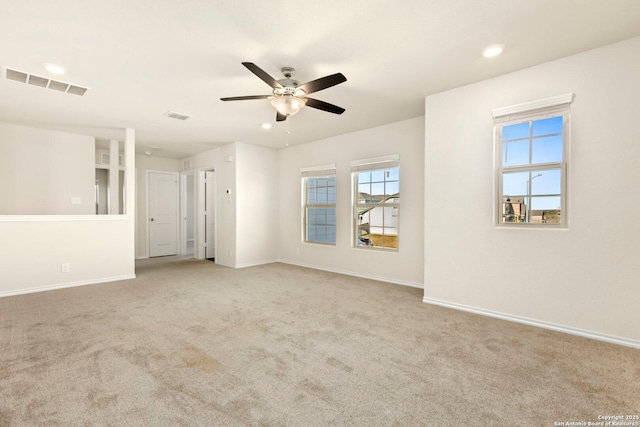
{"x": 207, "y": 214}
{"x": 188, "y": 213}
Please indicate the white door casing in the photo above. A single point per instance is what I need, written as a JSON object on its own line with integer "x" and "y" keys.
{"x": 163, "y": 213}
{"x": 210, "y": 215}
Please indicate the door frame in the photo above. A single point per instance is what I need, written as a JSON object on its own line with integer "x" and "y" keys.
{"x": 200, "y": 238}
{"x": 183, "y": 211}
{"x": 148, "y": 217}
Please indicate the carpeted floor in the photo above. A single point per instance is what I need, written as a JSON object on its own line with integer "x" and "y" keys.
{"x": 191, "y": 343}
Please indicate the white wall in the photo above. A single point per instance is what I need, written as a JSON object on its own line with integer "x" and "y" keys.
{"x": 41, "y": 170}
{"x": 257, "y": 205}
{"x": 404, "y": 266}
{"x": 98, "y": 248}
{"x": 585, "y": 277}
{"x": 246, "y": 203}
{"x": 225, "y": 206}
{"x": 143, "y": 164}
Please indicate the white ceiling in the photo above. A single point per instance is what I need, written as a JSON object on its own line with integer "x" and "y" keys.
{"x": 141, "y": 58}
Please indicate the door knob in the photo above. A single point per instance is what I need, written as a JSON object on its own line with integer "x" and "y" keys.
{"x": 151, "y": 219}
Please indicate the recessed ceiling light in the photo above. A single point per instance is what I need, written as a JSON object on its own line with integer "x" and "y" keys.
{"x": 266, "y": 126}
{"x": 54, "y": 68}
{"x": 493, "y": 50}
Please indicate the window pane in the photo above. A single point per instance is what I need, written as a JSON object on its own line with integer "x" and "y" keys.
{"x": 392, "y": 188}
{"x": 362, "y": 229}
{"x": 547, "y": 126}
{"x": 377, "y": 175}
{"x": 517, "y": 131}
{"x": 515, "y": 153}
{"x": 546, "y": 210}
{"x": 546, "y": 181}
{"x": 311, "y": 233}
{"x": 322, "y": 196}
{"x": 514, "y": 183}
{"x": 331, "y": 195}
{"x": 377, "y": 189}
{"x": 390, "y": 216}
{"x": 320, "y": 221}
{"x": 364, "y": 177}
{"x": 377, "y": 223}
{"x": 311, "y": 216}
{"x": 393, "y": 174}
{"x": 531, "y": 174}
{"x": 514, "y": 209}
{"x": 331, "y": 234}
{"x": 363, "y": 192}
{"x": 331, "y": 216}
{"x": 547, "y": 150}
{"x": 311, "y": 196}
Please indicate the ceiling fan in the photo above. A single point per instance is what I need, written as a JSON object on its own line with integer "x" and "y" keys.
{"x": 289, "y": 96}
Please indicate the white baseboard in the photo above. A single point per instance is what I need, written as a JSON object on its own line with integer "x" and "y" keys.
{"x": 253, "y": 264}
{"x": 354, "y": 274}
{"x": 142, "y": 257}
{"x": 538, "y": 323}
{"x": 248, "y": 264}
{"x": 66, "y": 285}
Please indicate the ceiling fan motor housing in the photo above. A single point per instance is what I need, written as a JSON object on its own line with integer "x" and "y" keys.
{"x": 288, "y": 71}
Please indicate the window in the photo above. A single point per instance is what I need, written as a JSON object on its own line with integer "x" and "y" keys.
{"x": 531, "y": 146}
{"x": 319, "y": 188}
{"x": 376, "y": 202}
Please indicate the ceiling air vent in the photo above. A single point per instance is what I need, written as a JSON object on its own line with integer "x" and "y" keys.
{"x": 17, "y": 76}
{"x": 174, "y": 115}
{"x": 45, "y": 82}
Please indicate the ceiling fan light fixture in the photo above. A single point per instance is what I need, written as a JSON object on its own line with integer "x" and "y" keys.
{"x": 288, "y": 105}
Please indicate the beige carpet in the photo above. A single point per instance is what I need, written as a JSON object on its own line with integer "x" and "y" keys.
{"x": 190, "y": 343}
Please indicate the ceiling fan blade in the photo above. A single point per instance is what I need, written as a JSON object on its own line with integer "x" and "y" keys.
{"x": 262, "y": 75}
{"x": 324, "y": 106}
{"x": 243, "y": 98}
{"x": 323, "y": 83}
{"x": 280, "y": 117}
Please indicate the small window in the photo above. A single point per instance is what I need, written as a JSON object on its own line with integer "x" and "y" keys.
{"x": 376, "y": 202}
{"x": 531, "y": 147}
{"x": 319, "y": 200}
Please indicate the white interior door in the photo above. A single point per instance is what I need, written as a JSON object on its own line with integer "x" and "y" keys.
{"x": 210, "y": 215}
{"x": 163, "y": 213}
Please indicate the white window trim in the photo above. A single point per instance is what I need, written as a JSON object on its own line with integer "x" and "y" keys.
{"x": 531, "y": 111}
{"x": 530, "y": 107}
{"x": 328, "y": 169}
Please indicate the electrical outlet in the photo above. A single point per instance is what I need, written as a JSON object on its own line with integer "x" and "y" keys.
{"x": 66, "y": 268}
{"x": 76, "y": 201}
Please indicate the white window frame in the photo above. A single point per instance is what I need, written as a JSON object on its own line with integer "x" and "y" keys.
{"x": 328, "y": 170}
{"x": 372, "y": 164}
{"x": 529, "y": 112}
